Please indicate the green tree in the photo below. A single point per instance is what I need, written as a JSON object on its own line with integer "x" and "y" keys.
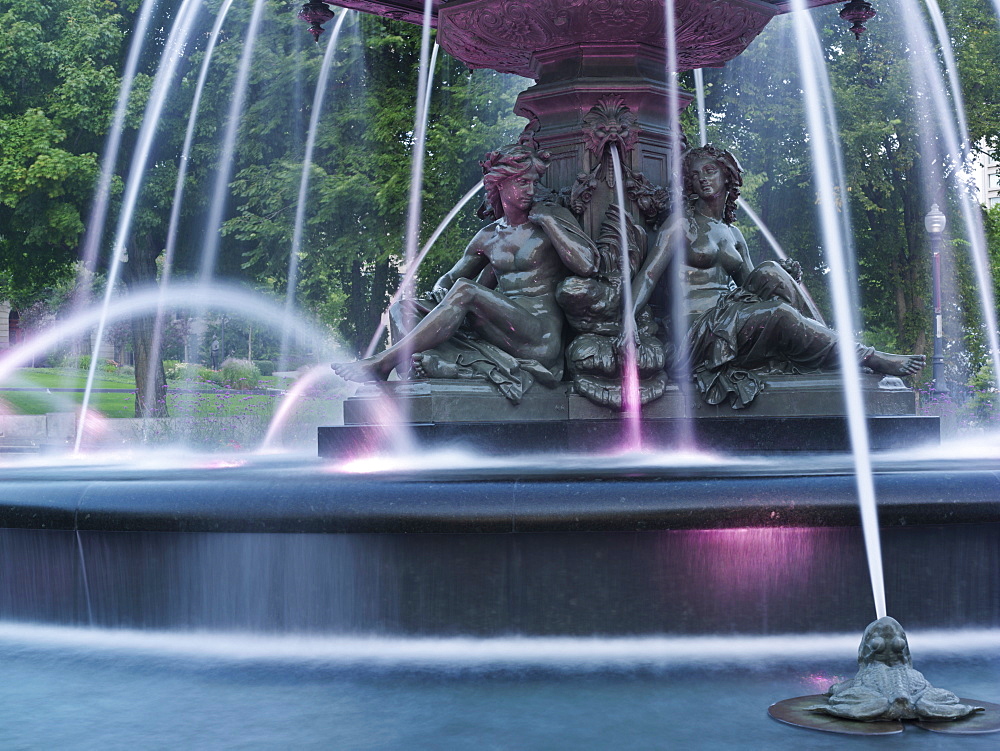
{"x": 58, "y": 83}
{"x": 357, "y": 204}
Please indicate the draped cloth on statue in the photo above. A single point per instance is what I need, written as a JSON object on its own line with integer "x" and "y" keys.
{"x": 766, "y": 326}
{"x": 475, "y": 358}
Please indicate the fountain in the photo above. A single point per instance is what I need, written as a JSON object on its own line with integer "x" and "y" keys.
{"x": 518, "y": 577}
{"x": 604, "y": 140}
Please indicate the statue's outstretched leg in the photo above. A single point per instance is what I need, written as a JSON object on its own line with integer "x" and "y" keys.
{"x": 404, "y": 317}
{"x": 896, "y": 365}
{"x": 778, "y": 331}
{"x": 491, "y": 314}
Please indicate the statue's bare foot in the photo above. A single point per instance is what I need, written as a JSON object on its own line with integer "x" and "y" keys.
{"x": 897, "y": 365}
{"x": 426, "y": 365}
{"x": 369, "y": 369}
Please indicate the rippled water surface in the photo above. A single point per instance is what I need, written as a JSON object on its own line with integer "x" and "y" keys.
{"x": 98, "y": 696}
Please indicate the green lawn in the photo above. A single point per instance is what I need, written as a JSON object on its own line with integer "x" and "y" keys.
{"x": 214, "y": 401}
{"x": 38, "y": 403}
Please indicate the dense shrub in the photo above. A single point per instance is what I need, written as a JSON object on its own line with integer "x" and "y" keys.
{"x": 82, "y": 362}
{"x": 126, "y": 370}
{"x": 189, "y": 371}
{"x": 239, "y": 374}
{"x": 266, "y": 367}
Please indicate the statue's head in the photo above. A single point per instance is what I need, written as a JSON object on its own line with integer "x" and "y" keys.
{"x": 512, "y": 161}
{"x": 884, "y": 641}
{"x": 731, "y": 170}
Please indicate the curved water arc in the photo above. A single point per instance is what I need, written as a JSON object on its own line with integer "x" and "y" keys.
{"x": 175, "y": 208}
{"x": 951, "y": 68}
{"x": 678, "y": 308}
{"x": 699, "y": 88}
{"x": 415, "y": 207}
{"x": 307, "y": 161}
{"x": 220, "y": 193}
{"x": 176, "y": 41}
{"x": 99, "y": 212}
{"x": 969, "y": 207}
{"x": 631, "y": 400}
{"x": 411, "y": 272}
{"x": 146, "y": 300}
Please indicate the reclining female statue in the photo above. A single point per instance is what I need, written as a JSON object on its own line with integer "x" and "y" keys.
{"x": 497, "y": 316}
{"x": 766, "y": 323}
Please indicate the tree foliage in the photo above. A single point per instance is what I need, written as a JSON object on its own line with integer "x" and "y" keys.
{"x": 59, "y": 75}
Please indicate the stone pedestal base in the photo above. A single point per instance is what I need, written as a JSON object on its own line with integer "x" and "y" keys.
{"x": 794, "y": 413}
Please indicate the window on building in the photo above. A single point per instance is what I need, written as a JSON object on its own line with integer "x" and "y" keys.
{"x": 994, "y": 201}
{"x": 994, "y": 180}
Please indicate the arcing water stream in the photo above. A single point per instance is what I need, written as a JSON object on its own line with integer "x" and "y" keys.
{"x": 956, "y": 141}
{"x": 176, "y": 42}
{"x": 631, "y": 401}
{"x": 821, "y": 122}
{"x": 415, "y": 205}
{"x": 182, "y": 171}
{"x": 220, "y": 193}
{"x": 302, "y": 202}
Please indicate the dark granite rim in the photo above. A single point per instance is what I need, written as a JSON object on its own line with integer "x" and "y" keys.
{"x": 307, "y": 496}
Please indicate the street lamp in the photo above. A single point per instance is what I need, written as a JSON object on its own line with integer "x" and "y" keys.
{"x": 935, "y": 222}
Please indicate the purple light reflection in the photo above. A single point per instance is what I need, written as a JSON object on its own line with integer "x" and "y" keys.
{"x": 767, "y": 575}
{"x": 819, "y": 683}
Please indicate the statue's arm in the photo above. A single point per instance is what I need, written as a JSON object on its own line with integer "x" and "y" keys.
{"x": 746, "y": 265}
{"x": 656, "y": 263}
{"x": 469, "y": 266}
{"x": 577, "y": 251}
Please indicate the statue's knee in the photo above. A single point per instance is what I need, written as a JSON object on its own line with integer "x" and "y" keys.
{"x": 769, "y": 267}
{"x": 461, "y": 292}
{"x": 769, "y": 280}
{"x": 406, "y": 307}
{"x": 786, "y": 315}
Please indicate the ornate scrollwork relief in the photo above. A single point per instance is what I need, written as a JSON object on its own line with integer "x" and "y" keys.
{"x": 528, "y": 134}
{"x": 711, "y": 35}
{"x": 506, "y": 34}
{"x": 611, "y": 122}
{"x": 653, "y": 200}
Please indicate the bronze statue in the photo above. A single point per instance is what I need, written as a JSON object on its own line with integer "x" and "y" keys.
{"x": 765, "y": 324}
{"x": 593, "y": 306}
{"x": 887, "y": 687}
{"x": 497, "y": 316}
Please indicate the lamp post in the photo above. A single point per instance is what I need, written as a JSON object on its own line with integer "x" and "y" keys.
{"x": 935, "y": 222}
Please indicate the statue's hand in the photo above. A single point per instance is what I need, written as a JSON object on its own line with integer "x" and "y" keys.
{"x": 438, "y": 292}
{"x": 793, "y": 267}
{"x": 541, "y": 212}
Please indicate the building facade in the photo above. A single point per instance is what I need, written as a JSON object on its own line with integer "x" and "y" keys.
{"x": 986, "y": 173}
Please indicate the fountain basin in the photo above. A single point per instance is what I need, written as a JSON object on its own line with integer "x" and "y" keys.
{"x": 301, "y": 547}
